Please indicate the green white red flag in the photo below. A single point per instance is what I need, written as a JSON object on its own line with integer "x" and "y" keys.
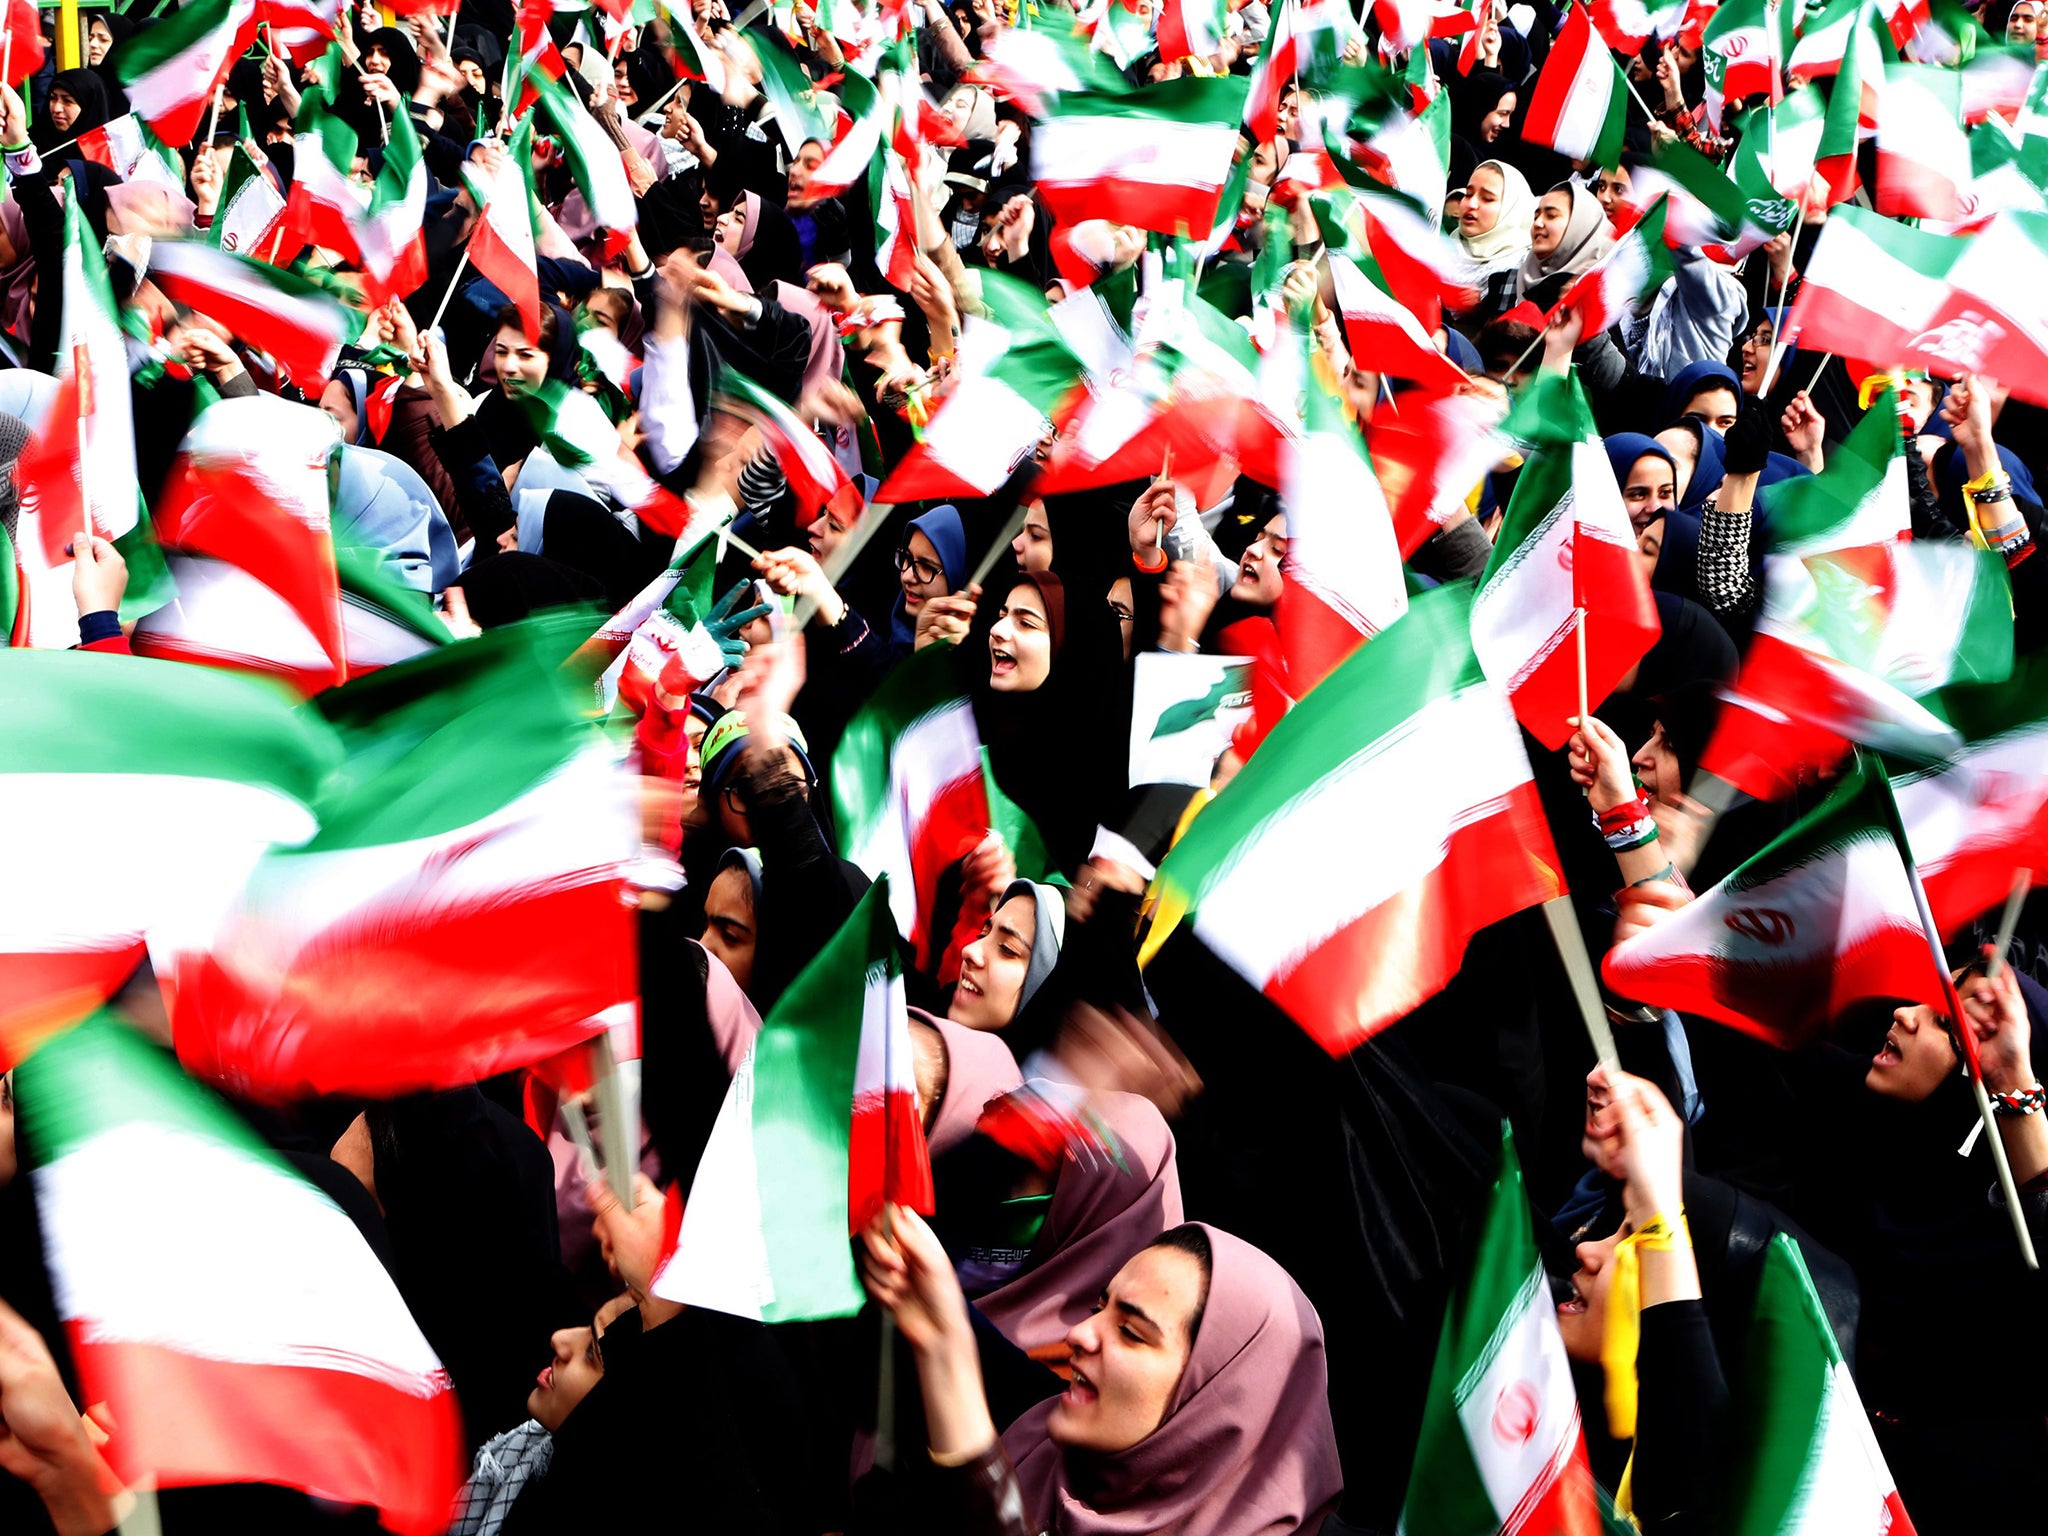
{"x": 1803, "y": 1458}
{"x": 508, "y": 229}
{"x": 1430, "y": 455}
{"x": 1882, "y": 292}
{"x": 578, "y": 435}
{"x": 1858, "y": 498}
{"x": 452, "y": 918}
{"x": 1501, "y": 1448}
{"x": 1389, "y": 816}
{"x": 660, "y": 632}
{"x": 1846, "y": 643}
{"x": 1628, "y": 24}
{"x": 818, "y": 1129}
{"x": 1564, "y": 549}
{"x": 1822, "y": 919}
{"x": 126, "y": 147}
{"x": 381, "y": 231}
{"x": 1745, "y": 47}
{"x": 178, "y": 777}
{"x": 1305, "y": 40}
{"x": 1378, "y": 327}
{"x": 170, "y": 70}
{"x": 815, "y": 478}
{"x": 594, "y": 160}
{"x": 1923, "y": 155}
{"x": 294, "y": 320}
{"x": 1580, "y": 104}
{"x": 1189, "y": 28}
{"x": 228, "y": 1314}
{"x": 1034, "y": 66}
{"x": 253, "y": 215}
{"x": 1981, "y": 814}
{"x": 1156, "y": 157}
{"x": 1639, "y": 264}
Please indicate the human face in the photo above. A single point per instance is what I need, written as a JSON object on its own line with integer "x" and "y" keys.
{"x": 98, "y": 41}
{"x": 337, "y": 402}
{"x": 522, "y": 366}
{"x": 472, "y": 75}
{"x": 1495, "y": 123}
{"x": 375, "y": 60}
{"x": 992, "y": 967}
{"x": 1258, "y": 573}
{"x": 824, "y": 535}
{"x": 1917, "y": 396}
{"x": 1033, "y": 544}
{"x": 1553, "y": 213}
{"x": 959, "y": 106}
{"x": 63, "y": 109}
{"x": 1756, "y": 356}
{"x": 809, "y": 157}
{"x": 732, "y": 227}
{"x": 1582, "y": 1316}
{"x": 1126, "y": 615}
{"x": 1288, "y": 115}
{"x": 1612, "y": 190}
{"x": 694, "y": 811}
{"x": 1128, "y": 1355}
{"x": 1020, "y": 642}
{"x": 1650, "y": 491}
{"x": 566, "y": 1380}
{"x": 1657, "y": 766}
{"x": 1684, "y": 449}
{"x": 1265, "y": 162}
{"x": 919, "y": 572}
{"x": 729, "y": 924}
{"x": 1481, "y": 209}
{"x": 1916, "y": 1056}
{"x": 1716, "y": 407}
{"x": 2020, "y": 25}
{"x": 1650, "y": 546}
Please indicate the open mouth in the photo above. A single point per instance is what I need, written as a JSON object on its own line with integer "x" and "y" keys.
{"x": 1080, "y": 1391}
{"x": 1000, "y": 662}
{"x": 967, "y": 985}
{"x": 1574, "y": 1303}
{"x": 1889, "y": 1055}
{"x": 546, "y": 1378}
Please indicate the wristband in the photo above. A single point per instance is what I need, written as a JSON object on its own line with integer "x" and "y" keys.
{"x": 2021, "y": 1101}
{"x": 1990, "y": 479}
{"x": 23, "y": 160}
{"x": 1640, "y": 835}
{"x": 1150, "y": 570}
{"x": 1663, "y": 1234}
{"x": 1625, "y": 814}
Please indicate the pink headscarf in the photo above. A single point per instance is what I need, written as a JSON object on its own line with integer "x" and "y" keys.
{"x": 1246, "y": 1448}
{"x": 978, "y": 1067}
{"x": 1100, "y": 1215}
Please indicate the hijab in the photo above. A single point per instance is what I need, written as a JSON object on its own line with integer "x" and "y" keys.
{"x": 768, "y": 249}
{"x": 1048, "y": 933}
{"x": 1584, "y": 242}
{"x": 1246, "y": 1447}
{"x": 120, "y": 29}
{"x": 508, "y": 587}
{"x": 978, "y": 1067}
{"x": 1103, "y": 1210}
{"x": 1695, "y": 378}
{"x": 1473, "y": 96}
{"x": 1625, "y": 448}
{"x": 948, "y": 535}
{"x": 83, "y": 87}
{"x": 1503, "y": 247}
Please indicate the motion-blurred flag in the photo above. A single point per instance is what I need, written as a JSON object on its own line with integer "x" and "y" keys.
{"x": 1823, "y": 918}
{"x": 1388, "y": 817}
{"x": 227, "y": 1312}
{"x": 1640, "y": 265}
{"x": 126, "y": 147}
{"x": 1858, "y": 499}
{"x": 1923, "y": 155}
{"x": 815, "y": 477}
{"x": 1430, "y": 454}
{"x": 1744, "y": 47}
{"x": 1580, "y": 105}
{"x": 170, "y": 70}
{"x": 508, "y": 229}
{"x": 1156, "y": 157}
{"x": 818, "y": 1129}
{"x": 296, "y": 321}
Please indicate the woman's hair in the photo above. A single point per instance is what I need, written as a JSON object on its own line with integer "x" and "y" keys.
{"x": 1190, "y": 1239}
{"x": 509, "y": 319}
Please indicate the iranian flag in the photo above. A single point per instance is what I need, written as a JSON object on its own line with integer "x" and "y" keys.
{"x": 818, "y": 1129}
{"x": 174, "y": 776}
{"x": 1804, "y": 1460}
{"x": 1744, "y": 47}
{"x": 1975, "y": 818}
{"x": 1189, "y": 28}
{"x": 1822, "y": 919}
{"x": 1565, "y": 556}
{"x": 1501, "y": 1447}
{"x": 579, "y": 436}
{"x": 661, "y": 628}
{"x": 909, "y": 793}
{"x": 1826, "y": 37}
{"x": 250, "y": 487}
{"x": 379, "y": 232}
{"x": 1859, "y": 498}
{"x": 1034, "y": 66}
{"x": 454, "y": 917}
{"x": 252, "y": 217}
{"x": 1704, "y": 206}
{"x": 1639, "y": 264}
{"x": 1305, "y": 40}
{"x": 1379, "y": 328}
{"x": 1156, "y": 157}
{"x": 1401, "y": 778}
{"x": 594, "y": 160}
{"x": 1845, "y": 644}
{"x": 1626, "y": 25}
{"x": 815, "y": 477}
{"x": 1344, "y": 582}
{"x": 508, "y": 229}
{"x": 1430, "y": 453}
{"x": 24, "y": 43}
{"x": 227, "y": 1313}
{"x": 224, "y": 617}
{"x": 1580, "y": 105}
{"x": 1923, "y": 155}
{"x": 169, "y": 72}
{"x": 1012, "y": 371}
{"x": 126, "y": 147}
{"x": 288, "y": 316}
{"x": 868, "y": 110}
{"x": 1880, "y": 291}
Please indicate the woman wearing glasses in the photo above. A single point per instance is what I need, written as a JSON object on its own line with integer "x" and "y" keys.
{"x": 931, "y": 563}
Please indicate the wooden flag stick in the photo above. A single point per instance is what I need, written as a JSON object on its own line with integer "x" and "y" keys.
{"x": 1578, "y": 965}
{"x": 1963, "y": 1032}
{"x": 579, "y": 1132}
{"x": 622, "y": 1141}
{"x": 842, "y": 559}
{"x": 454, "y": 279}
{"x": 997, "y": 550}
{"x": 2022, "y": 882}
{"x": 1825, "y": 359}
{"x": 1579, "y": 633}
{"x": 212, "y": 122}
{"x": 1778, "y": 330}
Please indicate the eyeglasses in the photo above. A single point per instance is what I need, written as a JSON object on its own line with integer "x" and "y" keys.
{"x": 923, "y": 572}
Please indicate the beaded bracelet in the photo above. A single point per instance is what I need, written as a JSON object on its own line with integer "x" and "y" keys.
{"x": 2021, "y": 1101}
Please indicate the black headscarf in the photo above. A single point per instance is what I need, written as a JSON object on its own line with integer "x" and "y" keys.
{"x": 583, "y": 535}
{"x": 405, "y": 60}
{"x": 83, "y": 87}
{"x": 505, "y": 588}
{"x": 1472, "y": 97}
{"x": 121, "y": 29}
{"x": 775, "y": 254}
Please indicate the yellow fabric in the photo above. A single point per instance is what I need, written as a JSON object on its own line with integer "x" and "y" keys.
{"x": 1624, "y": 1330}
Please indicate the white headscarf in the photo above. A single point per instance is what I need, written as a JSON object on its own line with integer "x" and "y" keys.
{"x": 1504, "y": 245}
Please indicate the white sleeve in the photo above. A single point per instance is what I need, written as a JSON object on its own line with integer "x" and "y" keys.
{"x": 668, "y": 416}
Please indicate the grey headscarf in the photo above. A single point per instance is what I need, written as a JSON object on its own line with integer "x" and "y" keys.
{"x": 1046, "y": 937}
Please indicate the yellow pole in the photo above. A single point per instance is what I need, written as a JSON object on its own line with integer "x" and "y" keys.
{"x": 69, "y": 54}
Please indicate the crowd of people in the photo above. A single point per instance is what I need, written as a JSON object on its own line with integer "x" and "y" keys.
{"x": 1214, "y": 1306}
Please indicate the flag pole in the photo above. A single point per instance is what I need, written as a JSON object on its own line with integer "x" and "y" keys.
{"x": 1964, "y": 1033}
{"x": 212, "y": 121}
{"x": 454, "y": 279}
{"x": 1579, "y": 631}
{"x": 1578, "y": 966}
{"x": 1825, "y": 359}
{"x": 2022, "y": 882}
{"x": 621, "y": 1140}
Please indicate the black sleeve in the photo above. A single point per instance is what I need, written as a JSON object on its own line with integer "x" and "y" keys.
{"x": 45, "y": 220}
{"x": 1681, "y": 1401}
{"x": 480, "y": 492}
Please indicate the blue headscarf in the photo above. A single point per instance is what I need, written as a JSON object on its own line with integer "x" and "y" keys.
{"x": 948, "y": 535}
{"x": 1624, "y": 448}
{"x": 1693, "y": 378}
